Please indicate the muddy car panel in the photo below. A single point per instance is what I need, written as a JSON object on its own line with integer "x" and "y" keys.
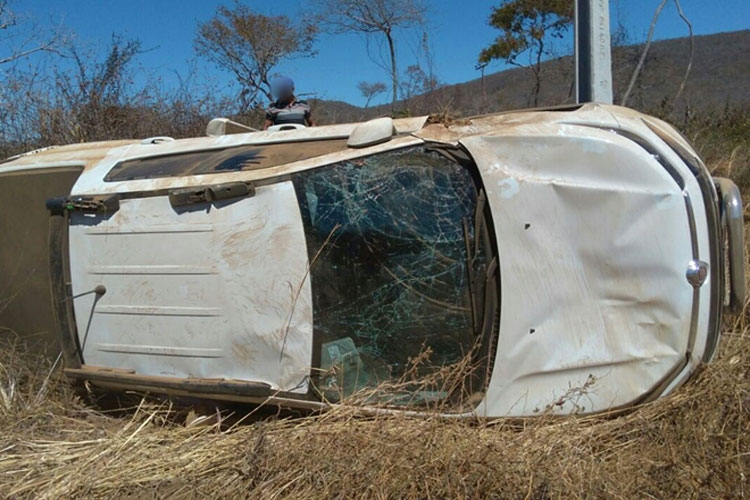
{"x": 186, "y": 287}
{"x": 595, "y": 217}
{"x": 581, "y": 249}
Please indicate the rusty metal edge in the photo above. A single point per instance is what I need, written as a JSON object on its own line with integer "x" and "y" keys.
{"x": 213, "y": 389}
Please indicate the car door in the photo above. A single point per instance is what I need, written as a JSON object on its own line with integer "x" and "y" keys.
{"x": 206, "y": 282}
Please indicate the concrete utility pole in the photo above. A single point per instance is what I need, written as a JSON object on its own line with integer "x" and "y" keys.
{"x": 480, "y": 67}
{"x": 593, "y": 52}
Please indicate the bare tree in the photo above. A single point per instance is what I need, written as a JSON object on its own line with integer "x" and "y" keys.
{"x": 644, "y": 53}
{"x": 525, "y": 27}
{"x": 416, "y": 81}
{"x": 426, "y": 63}
{"x": 91, "y": 99}
{"x": 251, "y": 45}
{"x": 24, "y": 42}
{"x": 370, "y": 89}
{"x": 76, "y": 93}
{"x": 374, "y": 18}
{"x": 24, "y": 47}
{"x": 692, "y": 50}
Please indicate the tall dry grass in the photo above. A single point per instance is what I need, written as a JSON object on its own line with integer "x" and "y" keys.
{"x": 693, "y": 444}
{"x": 722, "y": 139}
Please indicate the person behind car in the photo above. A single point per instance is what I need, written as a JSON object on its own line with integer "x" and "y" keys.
{"x": 286, "y": 109}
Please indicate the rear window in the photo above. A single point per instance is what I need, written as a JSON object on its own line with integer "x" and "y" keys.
{"x": 249, "y": 157}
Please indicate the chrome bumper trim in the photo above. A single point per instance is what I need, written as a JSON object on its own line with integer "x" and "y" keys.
{"x": 732, "y": 221}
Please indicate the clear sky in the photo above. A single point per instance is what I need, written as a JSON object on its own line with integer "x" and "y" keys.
{"x": 458, "y": 30}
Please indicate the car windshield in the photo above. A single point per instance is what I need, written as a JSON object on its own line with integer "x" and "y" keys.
{"x": 395, "y": 257}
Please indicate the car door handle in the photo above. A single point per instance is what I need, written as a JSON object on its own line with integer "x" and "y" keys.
{"x": 106, "y": 204}
{"x": 206, "y": 194}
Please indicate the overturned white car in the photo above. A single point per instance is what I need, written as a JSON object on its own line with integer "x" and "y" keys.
{"x": 487, "y": 267}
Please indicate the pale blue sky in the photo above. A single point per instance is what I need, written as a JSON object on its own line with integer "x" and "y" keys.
{"x": 458, "y": 31}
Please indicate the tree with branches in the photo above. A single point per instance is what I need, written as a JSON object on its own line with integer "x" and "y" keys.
{"x": 23, "y": 42}
{"x": 644, "y": 54}
{"x": 416, "y": 81}
{"x": 526, "y": 27}
{"x": 374, "y": 18}
{"x": 92, "y": 99}
{"x": 370, "y": 89}
{"x": 251, "y": 46}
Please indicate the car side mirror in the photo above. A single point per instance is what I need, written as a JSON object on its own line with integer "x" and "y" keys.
{"x": 372, "y": 132}
{"x": 223, "y": 126}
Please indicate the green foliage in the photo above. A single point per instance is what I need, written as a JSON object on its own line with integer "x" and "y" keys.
{"x": 524, "y": 25}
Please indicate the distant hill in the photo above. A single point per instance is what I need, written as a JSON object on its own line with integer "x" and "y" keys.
{"x": 720, "y": 77}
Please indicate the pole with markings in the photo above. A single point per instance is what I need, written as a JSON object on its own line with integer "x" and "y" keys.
{"x": 593, "y": 51}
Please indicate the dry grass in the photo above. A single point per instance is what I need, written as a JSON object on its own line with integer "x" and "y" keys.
{"x": 722, "y": 139}
{"x": 695, "y": 443}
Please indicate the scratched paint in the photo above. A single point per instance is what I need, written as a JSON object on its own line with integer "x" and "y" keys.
{"x": 209, "y": 288}
{"x": 592, "y": 235}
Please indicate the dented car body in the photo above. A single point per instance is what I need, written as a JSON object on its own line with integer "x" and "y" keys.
{"x": 487, "y": 267}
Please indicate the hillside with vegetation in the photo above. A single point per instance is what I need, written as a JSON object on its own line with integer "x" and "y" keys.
{"x": 717, "y": 81}
{"x": 99, "y": 101}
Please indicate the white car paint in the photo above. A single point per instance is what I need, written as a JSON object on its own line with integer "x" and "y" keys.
{"x": 185, "y": 288}
{"x": 594, "y": 239}
{"x": 592, "y": 268}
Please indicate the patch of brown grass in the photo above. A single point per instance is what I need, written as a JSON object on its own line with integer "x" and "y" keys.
{"x": 722, "y": 139}
{"x": 696, "y": 443}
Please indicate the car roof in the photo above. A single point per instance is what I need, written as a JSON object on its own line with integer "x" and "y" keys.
{"x": 430, "y": 129}
{"x": 89, "y": 153}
